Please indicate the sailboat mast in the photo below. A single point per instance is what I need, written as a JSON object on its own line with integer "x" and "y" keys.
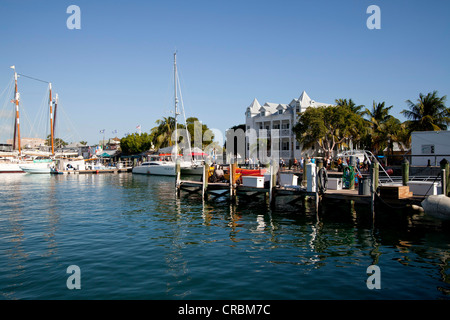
{"x": 54, "y": 117}
{"x": 50, "y": 102}
{"x": 17, "y": 123}
{"x": 176, "y": 102}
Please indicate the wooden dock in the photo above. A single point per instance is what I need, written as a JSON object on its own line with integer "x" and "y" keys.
{"x": 393, "y": 196}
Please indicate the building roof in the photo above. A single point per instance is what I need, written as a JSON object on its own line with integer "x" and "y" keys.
{"x": 254, "y": 106}
{"x": 269, "y": 108}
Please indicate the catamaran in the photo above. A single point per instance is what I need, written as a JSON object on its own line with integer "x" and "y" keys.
{"x": 161, "y": 165}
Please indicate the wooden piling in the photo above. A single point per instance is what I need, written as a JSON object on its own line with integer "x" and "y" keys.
{"x": 205, "y": 178}
{"x": 405, "y": 172}
{"x": 445, "y": 166}
{"x": 273, "y": 182}
{"x": 444, "y": 181}
{"x": 373, "y": 188}
{"x": 178, "y": 176}
{"x": 233, "y": 181}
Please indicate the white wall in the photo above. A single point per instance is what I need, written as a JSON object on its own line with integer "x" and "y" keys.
{"x": 429, "y": 145}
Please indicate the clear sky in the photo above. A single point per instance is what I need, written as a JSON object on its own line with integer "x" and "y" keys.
{"x": 116, "y": 72}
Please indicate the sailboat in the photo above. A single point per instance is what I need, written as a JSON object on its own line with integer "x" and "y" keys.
{"x": 43, "y": 164}
{"x": 159, "y": 165}
{"x": 10, "y": 160}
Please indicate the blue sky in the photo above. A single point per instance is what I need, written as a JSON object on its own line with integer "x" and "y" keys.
{"x": 116, "y": 71}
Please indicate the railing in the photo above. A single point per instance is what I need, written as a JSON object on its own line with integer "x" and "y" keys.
{"x": 428, "y": 159}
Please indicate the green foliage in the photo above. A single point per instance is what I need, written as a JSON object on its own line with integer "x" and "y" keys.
{"x": 57, "y": 142}
{"x": 327, "y": 126}
{"x": 428, "y": 114}
{"x": 135, "y": 143}
{"x": 161, "y": 135}
{"x": 206, "y": 135}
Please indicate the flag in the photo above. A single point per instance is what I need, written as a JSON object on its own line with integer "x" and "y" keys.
{"x": 138, "y": 126}
{"x": 102, "y": 131}
{"x": 114, "y": 131}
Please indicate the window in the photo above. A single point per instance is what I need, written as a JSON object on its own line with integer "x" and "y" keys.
{"x": 280, "y": 111}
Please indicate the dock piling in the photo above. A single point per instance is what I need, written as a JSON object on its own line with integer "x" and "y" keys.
{"x": 405, "y": 172}
{"x": 178, "y": 176}
{"x": 445, "y": 166}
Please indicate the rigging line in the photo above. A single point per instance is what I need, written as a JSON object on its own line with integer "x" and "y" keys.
{"x": 7, "y": 86}
{"x": 33, "y": 78}
{"x": 67, "y": 118}
{"x": 36, "y": 125}
{"x": 184, "y": 115}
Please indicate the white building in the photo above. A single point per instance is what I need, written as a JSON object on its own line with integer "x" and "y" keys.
{"x": 429, "y": 147}
{"x": 279, "y": 116}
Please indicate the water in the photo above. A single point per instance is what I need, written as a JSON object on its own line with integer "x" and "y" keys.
{"x": 133, "y": 239}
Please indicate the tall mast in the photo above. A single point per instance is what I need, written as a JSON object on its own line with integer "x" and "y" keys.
{"x": 17, "y": 123}
{"x": 54, "y": 112}
{"x": 50, "y": 102}
{"x": 176, "y": 102}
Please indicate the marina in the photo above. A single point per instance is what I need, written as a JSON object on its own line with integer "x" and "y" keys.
{"x": 159, "y": 246}
{"x": 231, "y": 158}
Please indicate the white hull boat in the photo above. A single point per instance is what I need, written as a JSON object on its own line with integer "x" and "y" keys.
{"x": 37, "y": 167}
{"x": 191, "y": 168}
{"x": 437, "y": 206}
{"x": 158, "y": 168}
{"x": 10, "y": 167}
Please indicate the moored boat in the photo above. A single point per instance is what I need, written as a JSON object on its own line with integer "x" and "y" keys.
{"x": 437, "y": 206}
{"x": 155, "y": 167}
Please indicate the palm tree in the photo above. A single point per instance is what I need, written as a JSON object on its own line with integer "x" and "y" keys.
{"x": 350, "y": 104}
{"x": 378, "y": 121}
{"x": 428, "y": 114}
{"x": 162, "y": 134}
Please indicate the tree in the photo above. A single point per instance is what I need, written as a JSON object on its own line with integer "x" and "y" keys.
{"x": 135, "y": 143}
{"x": 57, "y": 142}
{"x": 428, "y": 114}
{"x": 327, "y": 126}
{"x": 161, "y": 135}
{"x": 378, "y": 119}
{"x": 350, "y": 104}
{"x": 83, "y": 143}
{"x": 205, "y": 139}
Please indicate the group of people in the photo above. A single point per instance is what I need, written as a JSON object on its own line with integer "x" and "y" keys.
{"x": 340, "y": 163}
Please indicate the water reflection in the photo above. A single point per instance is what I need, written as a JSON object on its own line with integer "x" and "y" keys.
{"x": 191, "y": 247}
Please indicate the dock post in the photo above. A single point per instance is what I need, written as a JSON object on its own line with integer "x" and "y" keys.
{"x": 273, "y": 182}
{"x": 304, "y": 180}
{"x": 205, "y": 181}
{"x": 373, "y": 187}
{"x": 444, "y": 182}
{"x": 233, "y": 181}
{"x": 405, "y": 172}
{"x": 445, "y": 166}
{"x": 177, "y": 180}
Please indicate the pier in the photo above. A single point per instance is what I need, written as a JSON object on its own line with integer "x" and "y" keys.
{"x": 393, "y": 192}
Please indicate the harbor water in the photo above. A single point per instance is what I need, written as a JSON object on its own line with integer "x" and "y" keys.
{"x": 132, "y": 238}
